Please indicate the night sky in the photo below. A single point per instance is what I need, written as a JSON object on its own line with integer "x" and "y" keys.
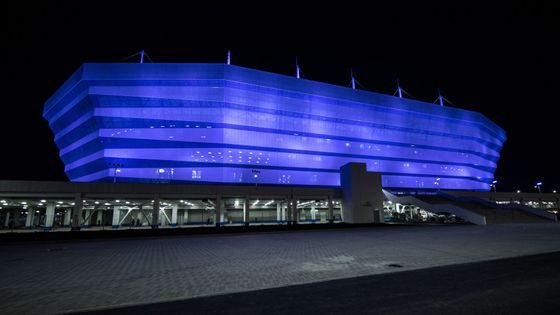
{"x": 498, "y": 60}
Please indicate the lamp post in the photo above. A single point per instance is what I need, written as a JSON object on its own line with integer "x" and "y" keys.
{"x": 493, "y": 185}
{"x": 256, "y": 176}
{"x": 538, "y": 186}
{"x": 117, "y": 169}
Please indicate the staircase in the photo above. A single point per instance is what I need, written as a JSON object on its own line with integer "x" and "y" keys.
{"x": 473, "y": 209}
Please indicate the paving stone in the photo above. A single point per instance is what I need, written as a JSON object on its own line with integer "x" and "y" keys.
{"x": 46, "y": 278}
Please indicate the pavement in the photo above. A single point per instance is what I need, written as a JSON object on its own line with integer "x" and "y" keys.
{"x": 520, "y": 285}
{"x": 70, "y": 276}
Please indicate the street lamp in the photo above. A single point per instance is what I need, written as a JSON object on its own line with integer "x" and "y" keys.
{"x": 117, "y": 169}
{"x": 538, "y": 186}
{"x": 493, "y": 185}
{"x": 255, "y": 175}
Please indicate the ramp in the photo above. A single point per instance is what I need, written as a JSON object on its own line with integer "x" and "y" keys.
{"x": 434, "y": 203}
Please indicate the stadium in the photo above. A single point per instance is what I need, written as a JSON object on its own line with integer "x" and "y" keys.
{"x": 219, "y": 123}
{"x": 200, "y": 144}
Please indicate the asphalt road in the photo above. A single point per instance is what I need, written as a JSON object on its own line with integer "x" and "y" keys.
{"x": 521, "y": 285}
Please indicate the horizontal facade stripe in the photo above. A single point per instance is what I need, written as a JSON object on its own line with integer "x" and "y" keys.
{"x": 155, "y": 166}
{"x": 252, "y": 121}
{"x": 392, "y": 182}
{"x": 216, "y": 106}
{"x": 80, "y": 122}
{"x": 477, "y": 122}
{"x": 74, "y": 108}
{"x": 262, "y": 140}
{"x": 288, "y": 86}
{"x": 79, "y": 144}
{"x": 278, "y": 84}
{"x": 167, "y": 158}
{"x": 72, "y": 85}
{"x": 130, "y": 146}
{"x": 394, "y": 104}
{"x": 244, "y": 100}
{"x": 83, "y": 107}
{"x": 127, "y": 125}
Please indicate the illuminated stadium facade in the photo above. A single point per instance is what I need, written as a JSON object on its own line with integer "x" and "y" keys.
{"x": 218, "y": 123}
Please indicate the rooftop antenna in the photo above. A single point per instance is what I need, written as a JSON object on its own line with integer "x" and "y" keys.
{"x": 440, "y": 99}
{"x": 297, "y": 68}
{"x": 353, "y": 79}
{"x": 400, "y": 90}
{"x": 229, "y": 57}
{"x": 141, "y": 53}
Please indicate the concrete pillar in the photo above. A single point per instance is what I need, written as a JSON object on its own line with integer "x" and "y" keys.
{"x": 87, "y": 220}
{"x": 77, "y": 213}
{"x": 29, "y": 218}
{"x": 155, "y": 212}
{"x": 99, "y": 217}
{"x": 278, "y": 212}
{"x": 331, "y": 210}
{"x": 7, "y": 221}
{"x": 223, "y": 211}
{"x": 295, "y": 212}
{"x": 246, "y": 217}
{"x": 161, "y": 217}
{"x": 313, "y": 213}
{"x": 289, "y": 210}
{"x": 49, "y": 215}
{"x": 361, "y": 193}
{"x": 218, "y": 212}
{"x": 116, "y": 217}
{"x": 174, "y": 214}
{"x": 16, "y": 218}
{"x": 185, "y": 216}
{"x": 67, "y": 217}
{"x": 140, "y": 216}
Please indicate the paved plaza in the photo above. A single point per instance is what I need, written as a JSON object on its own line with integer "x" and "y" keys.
{"x": 49, "y": 277}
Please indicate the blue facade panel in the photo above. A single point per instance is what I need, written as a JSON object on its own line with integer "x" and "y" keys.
{"x": 219, "y": 123}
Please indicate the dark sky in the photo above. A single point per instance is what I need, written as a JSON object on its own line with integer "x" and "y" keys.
{"x": 500, "y": 60}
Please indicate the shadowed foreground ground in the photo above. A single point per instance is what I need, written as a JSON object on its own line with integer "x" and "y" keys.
{"x": 64, "y": 276}
{"x": 523, "y": 285}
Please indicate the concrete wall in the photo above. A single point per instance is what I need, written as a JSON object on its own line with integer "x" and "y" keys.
{"x": 362, "y": 197}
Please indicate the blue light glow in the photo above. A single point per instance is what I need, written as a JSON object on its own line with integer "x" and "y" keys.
{"x": 220, "y": 123}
